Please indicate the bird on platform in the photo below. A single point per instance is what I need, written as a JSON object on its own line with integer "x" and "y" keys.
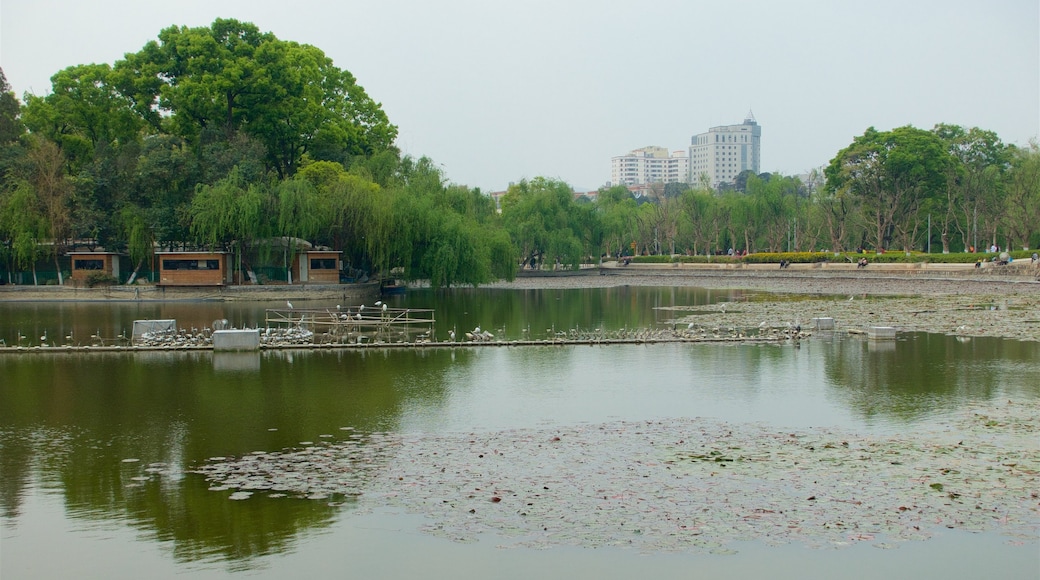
{"x": 43, "y": 338}
{"x": 451, "y": 335}
{"x": 289, "y": 304}
{"x": 384, "y": 308}
{"x": 379, "y": 302}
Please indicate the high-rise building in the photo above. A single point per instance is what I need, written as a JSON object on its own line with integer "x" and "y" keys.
{"x": 723, "y": 152}
{"x": 649, "y": 165}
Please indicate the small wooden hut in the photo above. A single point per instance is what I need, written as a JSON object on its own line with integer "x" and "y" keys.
{"x": 86, "y": 263}
{"x": 193, "y": 268}
{"x": 317, "y": 267}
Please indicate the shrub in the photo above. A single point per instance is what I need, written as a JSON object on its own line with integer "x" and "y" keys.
{"x": 793, "y": 257}
{"x": 658, "y": 259}
{"x": 95, "y": 279}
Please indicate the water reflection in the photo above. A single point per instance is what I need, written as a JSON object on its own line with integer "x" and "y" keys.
{"x": 115, "y": 433}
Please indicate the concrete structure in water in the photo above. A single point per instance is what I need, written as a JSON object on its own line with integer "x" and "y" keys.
{"x": 881, "y": 332}
{"x": 243, "y": 339}
{"x": 823, "y": 323}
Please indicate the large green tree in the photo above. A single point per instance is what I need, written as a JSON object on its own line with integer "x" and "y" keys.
{"x": 232, "y": 77}
{"x": 974, "y": 179}
{"x": 892, "y": 175}
{"x": 1022, "y": 203}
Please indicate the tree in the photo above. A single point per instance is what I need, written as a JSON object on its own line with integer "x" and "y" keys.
{"x": 11, "y": 128}
{"x": 53, "y": 189}
{"x": 616, "y": 211}
{"x": 23, "y": 223}
{"x": 232, "y": 77}
{"x": 890, "y": 174}
{"x": 979, "y": 161}
{"x": 1022, "y": 204}
{"x": 11, "y": 131}
{"x": 230, "y": 215}
{"x": 83, "y": 111}
{"x": 543, "y": 222}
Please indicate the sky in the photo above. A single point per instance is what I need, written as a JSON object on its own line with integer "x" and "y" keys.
{"x": 497, "y": 91}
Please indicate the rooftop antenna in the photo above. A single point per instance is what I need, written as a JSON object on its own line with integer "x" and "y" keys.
{"x": 749, "y": 119}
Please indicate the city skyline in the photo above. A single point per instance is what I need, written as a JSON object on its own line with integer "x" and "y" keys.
{"x": 499, "y": 93}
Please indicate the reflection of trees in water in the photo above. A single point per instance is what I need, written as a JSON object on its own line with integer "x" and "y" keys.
{"x": 537, "y": 314}
{"x": 920, "y": 374}
{"x": 141, "y": 421}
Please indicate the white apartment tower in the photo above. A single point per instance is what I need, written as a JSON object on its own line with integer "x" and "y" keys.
{"x": 649, "y": 165}
{"x": 723, "y": 152}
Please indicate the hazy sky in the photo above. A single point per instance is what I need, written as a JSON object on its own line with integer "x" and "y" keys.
{"x": 501, "y": 91}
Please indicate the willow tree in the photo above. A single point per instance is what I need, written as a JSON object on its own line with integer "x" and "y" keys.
{"x": 617, "y": 211}
{"x": 230, "y": 215}
{"x": 543, "y": 221}
{"x": 24, "y": 226}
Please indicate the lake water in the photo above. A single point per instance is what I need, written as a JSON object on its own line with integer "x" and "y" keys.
{"x": 96, "y": 450}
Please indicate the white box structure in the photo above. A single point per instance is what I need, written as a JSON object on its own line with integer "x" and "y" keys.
{"x": 881, "y": 332}
{"x": 244, "y": 339}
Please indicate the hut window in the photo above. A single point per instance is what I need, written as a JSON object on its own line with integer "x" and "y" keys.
{"x": 323, "y": 263}
{"x": 90, "y": 264}
{"x": 191, "y": 264}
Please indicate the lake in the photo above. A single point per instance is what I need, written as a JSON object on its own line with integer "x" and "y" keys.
{"x": 118, "y": 464}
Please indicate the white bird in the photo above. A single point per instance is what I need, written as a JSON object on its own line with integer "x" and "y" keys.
{"x": 289, "y": 304}
{"x": 361, "y": 308}
{"x": 851, "y": 297}
{"x": 476, "y": 330}
{"x": 689, "y": 326}
{"x": 43, "y": 338}
{"x": 384, "y": 308}
{"x": 379, "y": 302}
{"x": 451, "y": 335}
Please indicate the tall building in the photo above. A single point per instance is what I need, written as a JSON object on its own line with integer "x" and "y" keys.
{"x": 723, "y": 152}
{"x": 649, "y": 165}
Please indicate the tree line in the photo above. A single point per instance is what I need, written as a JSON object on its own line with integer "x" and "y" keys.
{"x": 226, "y": 137}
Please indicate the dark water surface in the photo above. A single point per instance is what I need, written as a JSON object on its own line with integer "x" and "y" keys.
{"x": 95, "y": 448}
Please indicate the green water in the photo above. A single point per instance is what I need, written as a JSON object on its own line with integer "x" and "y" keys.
{"x": 78, "y": 433}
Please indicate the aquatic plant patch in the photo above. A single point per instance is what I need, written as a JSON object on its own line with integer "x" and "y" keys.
{"x": 678, "y": 484}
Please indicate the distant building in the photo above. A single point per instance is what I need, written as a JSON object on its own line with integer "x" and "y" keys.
{"x": 723, "y": 152}
{"x": 649, "y": 165}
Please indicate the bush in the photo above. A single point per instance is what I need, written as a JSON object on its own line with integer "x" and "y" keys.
{"x": 658, "y": 259}
{"x": 699, "y": 259}
{"x": 95, "y": 279}
{"x": 793, "y": 257}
